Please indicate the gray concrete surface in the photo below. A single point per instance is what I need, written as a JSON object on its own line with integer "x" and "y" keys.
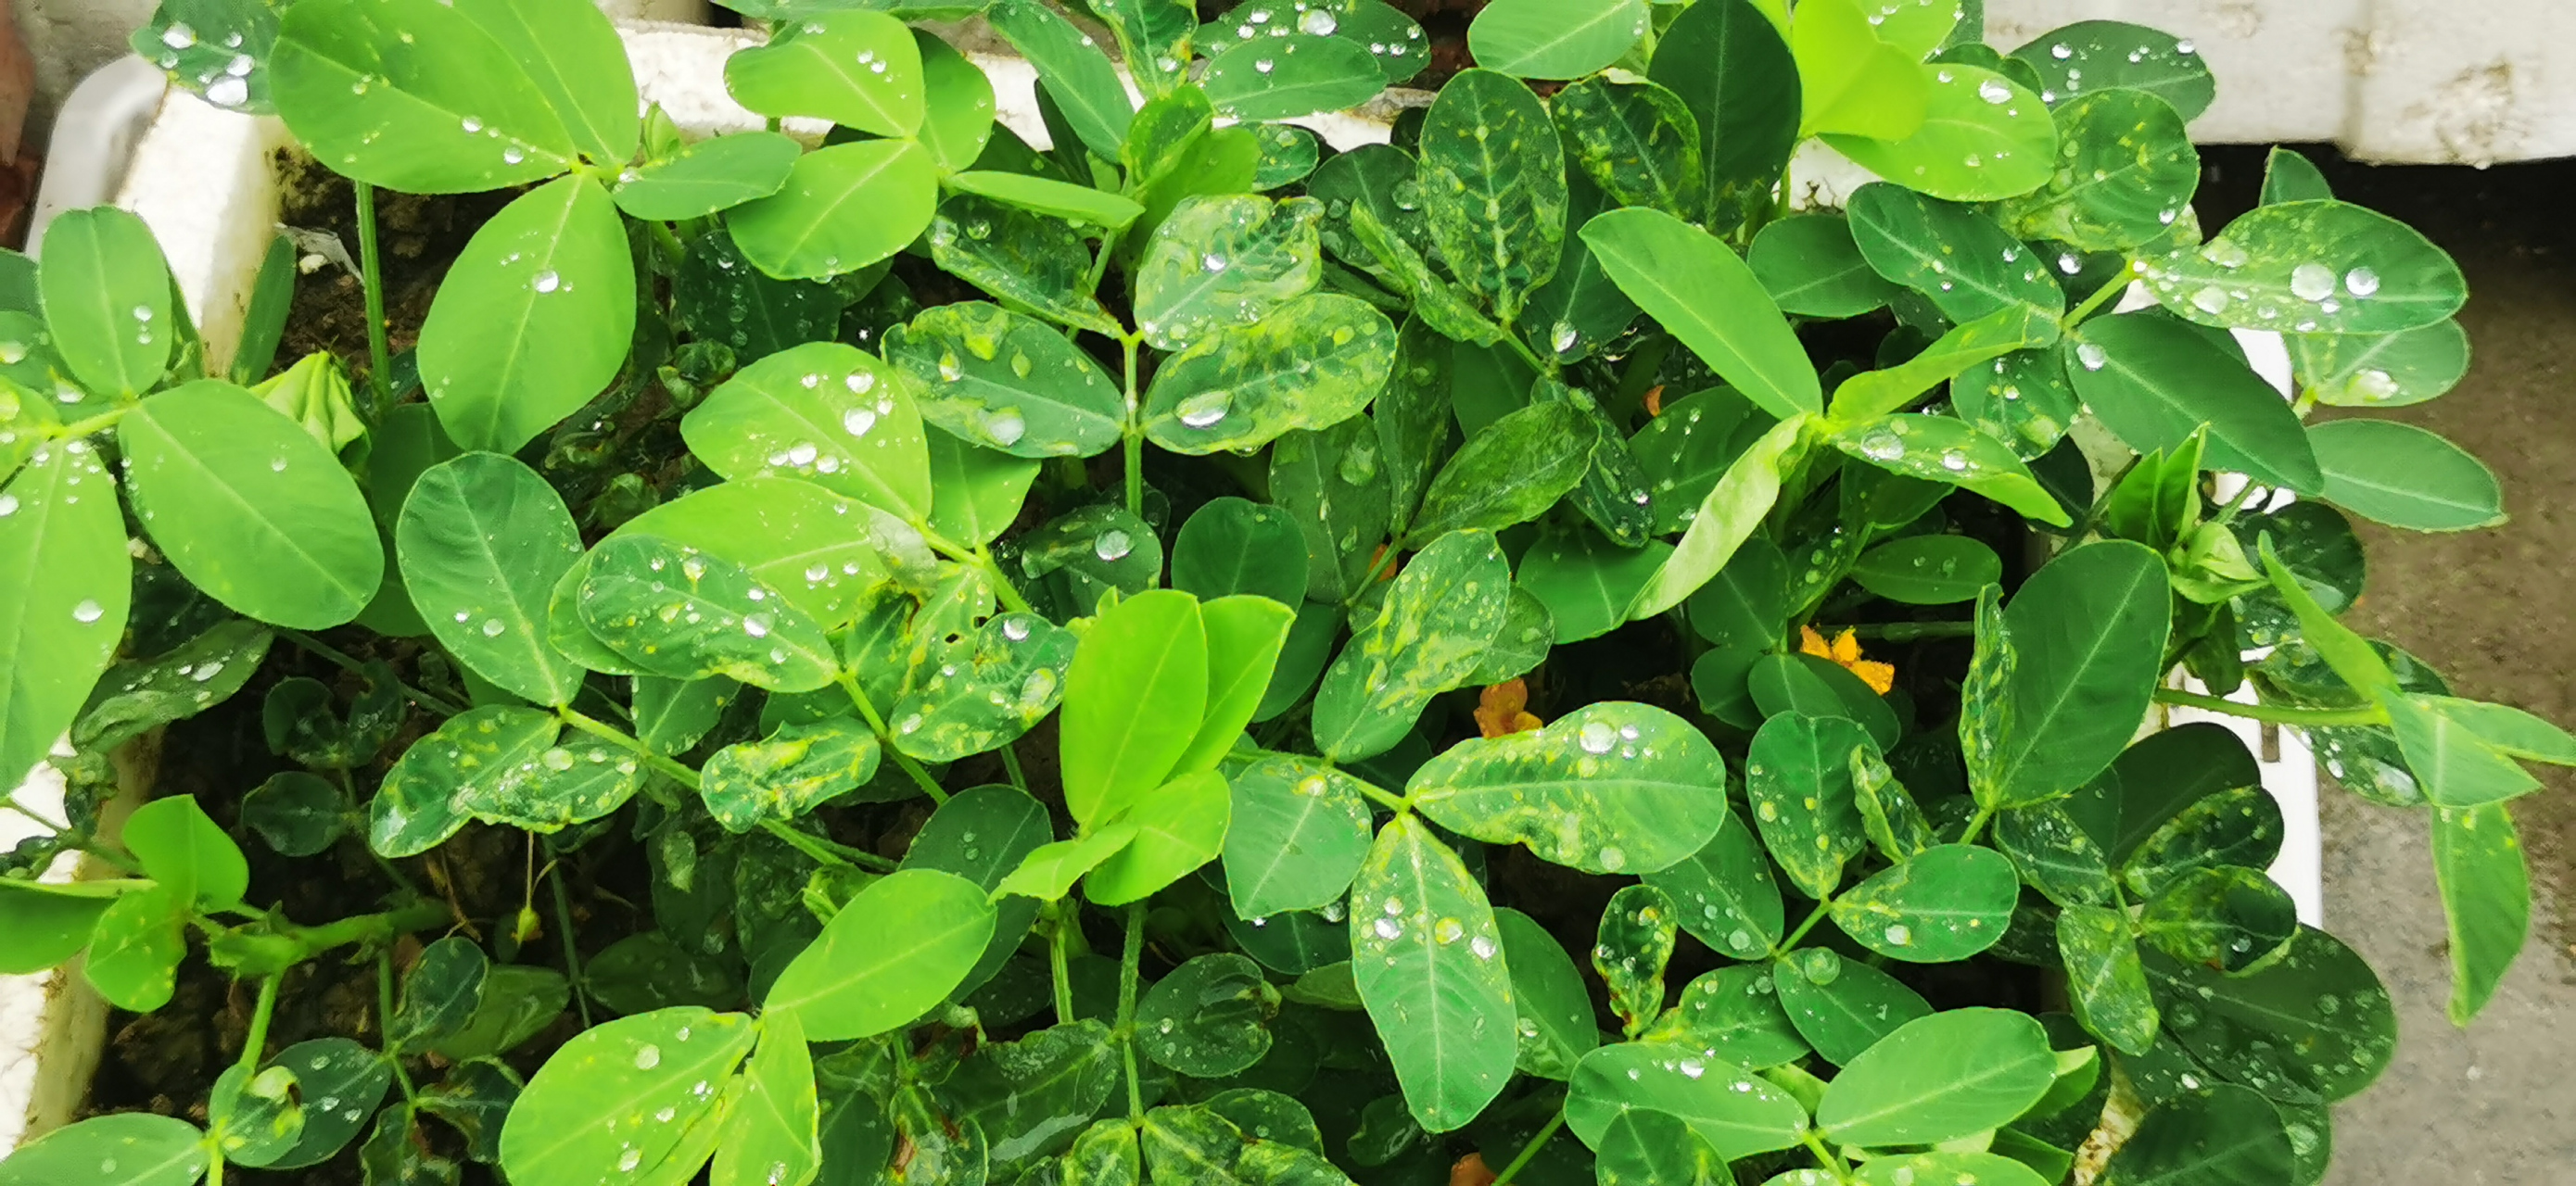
{"x": 2495, "y": 611}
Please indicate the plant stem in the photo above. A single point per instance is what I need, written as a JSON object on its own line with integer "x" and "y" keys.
{"x": 826, "y": 851}
{"x": 379, "y": 355}
{"x": 1814, "y": 917}
{"x": 2276, "y": 714}
{"x": 1530, "y": 1150}
{"x": 385, "y": 1024}
{"x": 1011, "y": 766}
{"x": 2110, "y": 289}
{"x": 571, "y": 949}
{"x": 1135, "y": 431}
{"x": 14, "y": 805}
{"x": 430, "y": 701}
{"x": 1060, "y": 958}
{"x": 1904, "y": 631}
{"x": 1830, "y": 1160}
{"x": 976, "y": 557}
{"x": 2244, "y": 498}
{"x": 626, "y": 741}
{"x": 1128, "y": 973}
{"x": 929, "y": 785}
{"x": 81, "y": 428}
{"x": 257, "y": 1040}
{"x": 1977, "y": 824}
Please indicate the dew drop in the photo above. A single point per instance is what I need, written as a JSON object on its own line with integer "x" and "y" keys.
{"x": 2361, "y": 282}
{"x": 228, "y": 91}
{"x": 1005, "y": 427}
{"x": 1205, "y": 408}
{"x": 1112, "y": 544}
{"x": 647, "y": 1057}
{"x": 857, "y": 421}
{"x": 1596, "y": 737}
{"x": 1995, "y": 90}
{"x": 2312, "y": 281}
{"x": 547, "y": 281}
{"x": 88, "y": 611}
{"x": 2091, "y": 355}
{"x": 1318, "y": 22}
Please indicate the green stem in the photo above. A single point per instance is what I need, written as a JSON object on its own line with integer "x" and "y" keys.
{"x": 2303, "y": 717}
{"x": 1135, "y": 431}
{"x": 627, "y": 741}
{"x": 385, "y": 1023}
{"x": 1977, "y": 824}
{"x": 432, "y": 702}
{"x": 14, "y": 805}
{"x": 257, "y": 1040}
{"x": 81, "y": 428}
{"x": 1060, "y": 958}
{"x": 1546, "y": 366}
{"x": 1377, "y": 568}
{"x": 1903, "y": 631}
{"x": 1129, "y": 969}
{"x": 1530, "y": 1151}
{"x": 365, "y": 928}
{"x": 868, "y": 711}
{"x": 1830, "y": 1160}
{"x": 1813, "y": 917}
{"x": 826, "y": 851}
{"x": 2109, "y": 290}
{"x": 2244, "y": 498}
{"x": 571, "y": 949}
{"x": 1011, "y": 766}
{"x": 371, "y": 266}
{"x": 976, "y": 557}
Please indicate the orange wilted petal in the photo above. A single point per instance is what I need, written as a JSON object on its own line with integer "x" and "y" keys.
{"x": 1655, "y": 400}
{"x": 1879, "y": 676}
{"x": 1378, "y": 556}
{"x": 1847, "y": 647}
{"x": 1812, "y": 643}
{"x": 1471, "y": 1171}
{"x": 1499, "y": 709}
{"x": 1845, "y": 651}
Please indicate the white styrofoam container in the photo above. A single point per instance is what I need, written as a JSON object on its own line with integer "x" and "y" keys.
{"x": 201, "y": 178}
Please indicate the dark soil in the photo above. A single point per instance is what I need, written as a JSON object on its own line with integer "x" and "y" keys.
{"x": 419, "y": 236}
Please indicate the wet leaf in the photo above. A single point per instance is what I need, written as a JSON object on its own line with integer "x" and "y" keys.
{"x": 720, "y": 297}
{"x": 2227, "y": 917}
{"x": 143, "y": 1149}
{"x": 712, "y": 175}
{"x": 1219, "y": 262}
{"x": 1939, "y": 1078}
{"x": 2087, "y": 635}
{"x": 1635, "y": 943}
{"x": 1296, "y": 75}
{"x": 1331, "y": 482}
{"x": 824, "y": 412}
{"x": 2381, "y": 370}
{"x": 2314, "y": 267}
{"x": 1564, "y": 39}
{"x": 475, "y": 1099}
{"x": 2404, "y": 476}
{"x": 1732, "y": 68}
{"x": 858, "y": 69}
{"x": 788, "y": 773}
{"x": 140, "y": 695}
{"x": 894, "y": 952}
{"x": 2239, "y": 826}
{"x": 1705, "y": 295}
{"x": 1985, "y": 1169}
{"x": 2100, "y": 55}
{"x": 483, "y": 540}
{"x": 683, "y": 614}
{"x": 414, "y": 97}
{"x": 1493, "y": 186}
{"x": 2314, "y": 1024}
{"x": 1724, "y": 893}
{"x": 1983, "y": 137}
{"x": 107, "y": 301}
{"x": 1007, "y": 381}
{"x": 1032, "y": 260}
{"x": 1180, "y": 826}
{"x": 1642, "y": 1147}
{"x": 1078, "y": 77}
{"x": 1946, "y": 903}
{"x": 440, "y": 993}
{"x": 1509, "y": 473}
{"x": 1555, "y": 1009}
{"x": 535, "y": 320}
{"x": 2125, "y": 170}
{"x": 1928, "y": 569}
{"x": 888, "y": 189}
{"x": 2024, "y": 399}
{"x": 420, "y": 803}
{"x": 1209, "y": 1018}
{"x": 2221, "y": 1134}
{"x": 2486, "y": 900}
{"x": 1135, "y": 695}
{"x": 1609, "y": 788}
{"x": 1426, "y": 954}
{"x": 1734, "y": 1110}
{"x": 1443, "y": 610}
{"x": 1798, "y": 778}
{"x": 1812, "y": 267}
{"x": 2055, "y": 854}
{"x": 634, "y": 1092}
{"x": 1311, "y": 362}
{"x": 1842, "y": 1007}
{"x": 1731, "y": 1013}
{"x": 1032, "y": 1097}
{"x": 1959, "y": 258}
{"x": 1299, "y": 834}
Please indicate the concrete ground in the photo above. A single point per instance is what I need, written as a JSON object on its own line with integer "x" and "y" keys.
{"x": 2495, "y": 611}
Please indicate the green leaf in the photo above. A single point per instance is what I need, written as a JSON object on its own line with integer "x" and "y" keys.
{"x": 1797, "y": 777}
{"x": 1939, "y": 1078}
{"x": 2227, "y": 917}
{"x": 1928, "y": 569}
{"x": 1732, "y": 68}
{"x": 1985, "y": 1169}
{"x": 984, "y": 690}
{"x": 1288, "y": 156}
{"x": 1520, "y": 645}
{"x": 1984, "y": 137}
{"x": 1812, "y": 267}
{"x": 1642, "y": 1147}
{"x": 1442, "y": 612}
{"x": 2024, "y": 399}
{"x": 483, "y": 540}
{"x": 1710, "y": 299}
{"x": 423, "y": 799}
{"x": 892, "y": 953}
{"x": 1393, "y": 40}
{"x": 144, "y": 1149}
{"x": 712, "y": 175}
{"x": 975, "y": 492}
{"x": 1609, "y": 788}
{"x": 578, "y": 62}
{"x": 1245, "y": 633}
{"x": 1078, "y": 76}
{"x": 1311, "y": 362}
{"x": 1842, "y": 1007}
{"x": 2092, "y": 56}
{"x": 1209, "y": 1018}
{"x": 1180, "y": 826}
{"x": 107, "y": 300}
{"x": 957, "y": 102}
{"x": 600, "y": 1097}
{"x": 1950, "y": 450}
{"x": 2155, "y": 381}
{"x": 2088, "y": 632}
{"x": 140, "y": 695}
{"x": 858, "y": 69}
{"x": 684, "y": 614}
{"x": 2404, "y": 476}
{"x": 1585, "y": 582}
{"x": 1031, "y": 1096}
{"x": 1725, "y": 893}
{"x": 1493, "y": 186}
{"x": 1737, "y": 1112}
{"x": 1079, "y": 557}
{"x": 534, "y": 319}
{"x": 2486, "y": 900}
{"x": 794, "y": 536}
{"x": 1134, "y": 698}
{"x": 1638, "y": 141}
{"x": 415, "y": 96}
{"x": 2237, "y": 826}
{"x": 136, "y": 946}
{"x": 183, "y": 850}
{"x": 1156, "y": 33}
{"x": 62, "y": 617}
{"x": 197, "y": 44}
{"x": 1554, "y": 38}
{"x": 2272, "y": 1027}
{"x": 1580, "y": 309}
{"x": 1007, "y": 381}
{"x": 788, "y": 773}
{"x": 1286, "y": 77}
{"x": 1876, "y": 393}
{"x": 1224, "y": 261}
{"x": 2381, "y": 370}
{"x": 2314, "y": 267}
{"x": 2106, "y": 984}
{"x": 1050, "y": 870}
{"x": 334, "y": 1069}
{"x": 2224, "y": 1135}
{"x": 843, "y": 207}
{"x": 1331, "y": 482}
{"x": 824, "y": 412}
{"x": 1232, "y": 545}
{"x": 1946, "y": 903}
{"x": 2055, "y": 854}
{"x": 1850, "y": 80}
{"x": 1556, "y": 1025}
{"x": 770, "y": 1129}
{"x": 1509, "y": 473}
{"x": 1299, "y": 834}
{"x": 1732, "y": 1013}
{"x": 1685, "y": 451}
{"x": 720, "y": 297}
{"x": 249, "y": 507}
{"x": 1956, "y": 256}
{"x": 1426, "y": 954}
{"x": 1058, "y": 199}
{"x": 45, "y": 924}
{"x": 2125, "y": 170}
{"x": 1635, "y": 943}
{"x": 518, "y": 1001}
{"x": 1725, "y": 520}
{"x": 440, "y": 993}
{"x": 1031, "y": 260}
